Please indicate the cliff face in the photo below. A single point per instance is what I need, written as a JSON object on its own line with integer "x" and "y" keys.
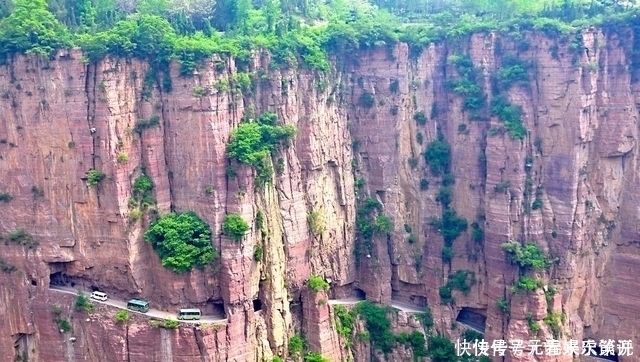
{"x": 62, "y": 118}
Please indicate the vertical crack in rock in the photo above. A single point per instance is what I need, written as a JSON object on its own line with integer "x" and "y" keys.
{"x": 90, "y": 91}
{"x": 126, "y": 341}
{"x": 197, "y": 336}
{"x": 165, "y": 137}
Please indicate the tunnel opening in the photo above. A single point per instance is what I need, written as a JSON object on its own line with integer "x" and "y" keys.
{"x": 419, "y": 301}
{"x": 59, "y": 279}
{"x": 58, "y": 275}
{"x": 218, "y": 309}
{"x": 257, "y": 305}
{"x": 359, "y": 294}
{"x": 600, "y": 357}
{"x": 472, "y": 318}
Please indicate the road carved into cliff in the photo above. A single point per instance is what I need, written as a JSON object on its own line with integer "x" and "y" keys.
{"x": 155, "y": 313}
{"x": 397, "y": 305}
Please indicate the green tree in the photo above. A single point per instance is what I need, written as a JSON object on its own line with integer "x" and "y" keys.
{"x": 32, "y": 29}
{"x": 182, "y": 241}
{"x": 234, "y": 226}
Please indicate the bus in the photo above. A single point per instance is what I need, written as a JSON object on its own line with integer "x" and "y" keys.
{"x": 138, "y": 305}
{"x": 189, "y": 314}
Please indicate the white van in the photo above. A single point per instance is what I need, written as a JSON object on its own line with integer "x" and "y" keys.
{"x": 99, "y": 296}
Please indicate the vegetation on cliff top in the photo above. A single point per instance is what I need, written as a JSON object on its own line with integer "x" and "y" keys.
{"x": 292, "y": 30}
{"x": 182, "y": 241}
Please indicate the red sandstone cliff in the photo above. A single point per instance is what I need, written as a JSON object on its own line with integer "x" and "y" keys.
{"x": 583, "y": 114}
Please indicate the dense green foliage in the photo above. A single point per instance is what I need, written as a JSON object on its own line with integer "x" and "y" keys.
{"x": 467, "y": 85}
{"x": 293, "y": 31}
{"x": 94, "y": 177}
{"x": 438, "y": 156}
{"x": 527, "y": 284}
{"x": 82, "y": 303}
{"x": 509, "y": 115}
{"x": 234, "y": 226}
{"x": 528, "y": 256}
{"x": 442, "y": 349}
{"x": 378, "y": 325}
{"x": 450, "y": 225}
{"x": 63, "y": 325}
{"x": 254, "y": 141}
{"x": 317, "y": 283}
{"x": 122, "y": 316}
{"x": 297, "y": 345}
{"x": 461, "y": 280}
{"x": 142, "y": 187}
{"x": 182, "y": 241}
{"x": 370, "y": 221}
{"x": 344, "y": 321}
{"x": 31, "y": 29}
{"x": 381, "y": 336}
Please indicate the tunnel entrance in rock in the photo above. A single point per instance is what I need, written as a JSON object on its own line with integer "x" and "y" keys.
{"x": 257, "y": 305}
{"x": 419, "y": 300}
{"x": 359, "y": 294}
{"x": 472, "y": 318}
{"x": 58, "y": 275}
{"x": 218, "y": 309}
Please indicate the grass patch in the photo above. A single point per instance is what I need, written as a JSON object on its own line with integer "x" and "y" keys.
{"x": 20, "y": 237}
{"x": 122, "y": 316}
{"x": 316, "y": 222}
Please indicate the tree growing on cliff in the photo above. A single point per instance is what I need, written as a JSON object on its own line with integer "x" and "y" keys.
{"x": 182, "y": 241}
{"x": 234, "y": 226}
{"x": 32, "y": 29}
{"x": 254, "y": 141}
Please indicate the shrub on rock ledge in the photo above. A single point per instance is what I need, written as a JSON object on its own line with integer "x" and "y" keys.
{"x": 182, "y": 241}
{"x": 316, "y": 283}
{"x": 235, "y": 227}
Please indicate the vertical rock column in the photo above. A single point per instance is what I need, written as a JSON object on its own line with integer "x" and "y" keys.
{"x": 318, "y": 326}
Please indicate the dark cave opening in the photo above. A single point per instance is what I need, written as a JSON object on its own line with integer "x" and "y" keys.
{"x": 472, "y": 318}
{"x": 257, "y": 305}
{"x": 218, "y": 309}
{"x": 359, "y": 294}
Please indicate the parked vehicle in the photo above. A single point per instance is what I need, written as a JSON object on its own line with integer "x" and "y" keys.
{"x": 186, "y": 314}
{"x": 138, "y": 305}
{"x": 99, "y": 296}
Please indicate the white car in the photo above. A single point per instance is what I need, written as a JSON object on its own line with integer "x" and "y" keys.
{"x": 99, "y": 296}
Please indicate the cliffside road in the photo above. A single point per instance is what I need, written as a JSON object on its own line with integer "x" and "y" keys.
{"x": 475, "y": 328}
{"x": 344, "y": 301}
{"x": 407, "y": 307}
{"x": 151, "y": 313}
{"x": 398, "y": 305}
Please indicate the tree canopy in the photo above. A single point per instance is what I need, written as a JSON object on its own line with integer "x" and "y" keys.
{"x": 293, "y": 30}
{"x": 182, "y": 241}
